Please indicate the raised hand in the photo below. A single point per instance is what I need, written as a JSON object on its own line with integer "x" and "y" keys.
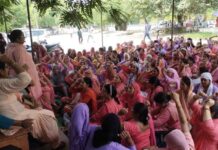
{"x": 175, "y": 97}
{"x": 126, "y": 136}
{"x": 209, "y": 103}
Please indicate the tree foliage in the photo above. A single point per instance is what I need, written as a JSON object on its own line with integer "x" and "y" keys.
{"x": 5, "y": 10}
{"x": 80, "y": 13}
{"x": 162, "y": 8}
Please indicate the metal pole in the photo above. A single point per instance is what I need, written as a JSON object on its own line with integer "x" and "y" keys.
{"x": 172, "y": 25}
{"x": 30, "y": 28}
{"x": 102, "y": 38}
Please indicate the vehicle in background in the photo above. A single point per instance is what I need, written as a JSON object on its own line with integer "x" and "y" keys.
{"x": 38, "y": 35}
{"x": 53, "y": 47}
{"x": 211, "y": 24}
{"x": 160, "y": 26}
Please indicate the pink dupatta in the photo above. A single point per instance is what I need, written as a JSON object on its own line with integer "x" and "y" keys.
{"x": 174, "y": 79}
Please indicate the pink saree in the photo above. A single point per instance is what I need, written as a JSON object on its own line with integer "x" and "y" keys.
{"x": 19, "y": 54}
{"x": 171, "y": 81}
{"x": 130, "y": 100}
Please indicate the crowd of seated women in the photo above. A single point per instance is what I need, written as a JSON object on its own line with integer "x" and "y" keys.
{"x": 150, "y": 96}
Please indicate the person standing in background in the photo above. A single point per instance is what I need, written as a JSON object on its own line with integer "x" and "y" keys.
{"x": 80, "y": 36}
{"x": 147, "y": 30}
{"x": 90, "y": 35}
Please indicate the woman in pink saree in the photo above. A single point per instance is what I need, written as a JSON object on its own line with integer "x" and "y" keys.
{"x": 154, "y": 88}
{"x": 172, "y": 80}
{"x": 205, "y": 124}
{"x": 124, "y": 73}
{"x": 193, "y": 66}
{"x": 40, "y": 51}
{"x": 186, "y": 94}
{"x": 48, "y": 95}
{"x": 141, "y": 131}
{"x": 17, "y": 52}
{"x": 67, "y": 65}
{"x": 95, "y": 82}
{"x": 185, "y": 69}
{"x": 180, "y": 139}
{"x": 165, "y": 116}
{"x": 118, "y": 84}
{"x": 131, "y": 95}
{"x": 111, "y": 104}
{"x": 45, "y": 69}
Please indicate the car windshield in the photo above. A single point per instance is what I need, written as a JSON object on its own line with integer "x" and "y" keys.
{"x": 34, "y": 33}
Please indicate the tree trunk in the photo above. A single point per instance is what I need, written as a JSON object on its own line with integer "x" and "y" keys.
{"x": 121, "y": 27}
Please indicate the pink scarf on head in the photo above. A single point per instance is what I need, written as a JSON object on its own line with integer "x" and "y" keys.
{"x": 176, "y": 140}
{"x": 174, "y": 79}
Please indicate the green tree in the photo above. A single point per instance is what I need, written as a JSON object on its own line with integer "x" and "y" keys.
{"x": 5, "y": 12}
{"x": 47, "y": 20}
{"x": 19, "y": 18}
{"x": 80, "y": 13}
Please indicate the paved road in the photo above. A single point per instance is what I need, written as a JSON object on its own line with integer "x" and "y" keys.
{"x": 110, "y": 39}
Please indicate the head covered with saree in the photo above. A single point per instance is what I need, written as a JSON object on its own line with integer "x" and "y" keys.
{"x": 176, "y": 140}
{"x": 206, "y": 81}
{"x": 172, "y": 76}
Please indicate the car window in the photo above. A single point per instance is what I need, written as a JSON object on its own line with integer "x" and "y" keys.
{"x": 34, "y": 33}
{"x": 37, "y": 32}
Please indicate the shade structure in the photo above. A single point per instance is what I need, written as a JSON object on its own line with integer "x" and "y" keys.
{"x": 30, "y": 26}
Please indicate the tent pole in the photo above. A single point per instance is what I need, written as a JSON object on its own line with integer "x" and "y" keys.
{"x": 30, "y": 27}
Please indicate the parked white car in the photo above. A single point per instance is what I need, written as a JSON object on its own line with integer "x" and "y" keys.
{"x": 38, "y": 35}
{"x": 211, "y": 24}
